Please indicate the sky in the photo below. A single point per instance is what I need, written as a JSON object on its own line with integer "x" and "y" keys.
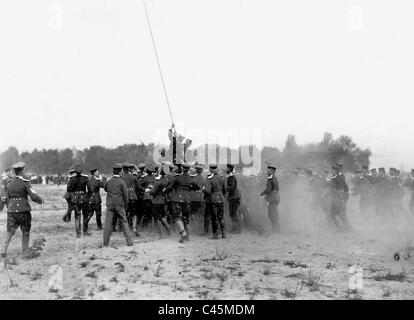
{"x": 76, "y": 73}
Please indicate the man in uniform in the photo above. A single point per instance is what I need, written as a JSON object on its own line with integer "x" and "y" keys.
{"x": 363, "y": 189}
{"x": 17, "y": 192}
{"x": 172, "y": 169}
{"x": 383, "y": 203}
{"x": 234, "y": 198}
{"x": 95, "y": 201}
{"x": 339, "y": 193}
{"x": 271, "y": 193}
{"x": 179, "y": 189}
{"x": 147, "y": 183}
{"x": 68, "y": 197}
{"x": 116, "y": 202}
{"x": 158, "y": 203}
{"x": 81, "y": 190}
{"x": 215, "y": 191}
{"x": 133, "y": 192}
{"x": 139, "y": 214}
{"x": 197, "y": 196}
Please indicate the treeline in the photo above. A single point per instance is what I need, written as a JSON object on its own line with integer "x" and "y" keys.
{"x": 316, "y": 155}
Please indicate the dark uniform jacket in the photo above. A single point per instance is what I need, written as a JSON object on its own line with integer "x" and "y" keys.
{"x": 96, "y": 185}
{"x": 157, "y": 193}
{"x": 117, "y": 193}
{"x": 81, "y": 189}
{"x": 338, "y": 186}
{"x": 170, "y": 180}
{"x": 232, "y": 189}
{"x": 179, "y": 188}
{"x": 17, "y": 192}
{"x": 132, "y": 186}
{"x": 215, "y": 189}
{"x": 198, "y": 195}
{"x": 147, "y": 182}
{"x": 271, "y": 192}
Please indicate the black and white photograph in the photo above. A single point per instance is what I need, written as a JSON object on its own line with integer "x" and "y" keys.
{"x": 190, "y": 151}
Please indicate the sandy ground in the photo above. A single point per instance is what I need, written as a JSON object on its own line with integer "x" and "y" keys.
{"x": 307, "y": 263}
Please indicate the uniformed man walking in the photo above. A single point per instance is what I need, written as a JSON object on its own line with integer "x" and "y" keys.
{"x": 215, "y": 191}
{"x": 158, "y": 203}
{"x": 271, "y": 194}
{"x": 179, "y": 190}
{"x": 95, "y": 201}
{"x": 116, "y": 203}
{"x": 81, "y": 190}
{"x": 17, "y": 192}
{"x": 234, "y": 198}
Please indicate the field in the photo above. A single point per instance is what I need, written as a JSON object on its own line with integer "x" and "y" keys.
{"x": 306, "y": 262}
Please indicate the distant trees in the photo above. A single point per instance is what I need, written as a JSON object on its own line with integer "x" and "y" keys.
{"x": 315, "y": 155}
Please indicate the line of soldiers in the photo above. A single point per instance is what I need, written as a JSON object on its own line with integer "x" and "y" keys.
{"x": 173, "y": 195}
{"x": 375, "y": 189}
{"x": 380, "y": 191}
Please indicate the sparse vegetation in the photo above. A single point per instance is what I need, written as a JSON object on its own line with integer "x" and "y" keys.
{"x": 400, "y": 276}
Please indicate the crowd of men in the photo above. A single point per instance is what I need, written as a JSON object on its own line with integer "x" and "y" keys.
{"x": 167, "y": 195}
{"x": 170, "y": 196}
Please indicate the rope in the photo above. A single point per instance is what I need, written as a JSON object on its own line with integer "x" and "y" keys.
{"x": 158, "y": 63}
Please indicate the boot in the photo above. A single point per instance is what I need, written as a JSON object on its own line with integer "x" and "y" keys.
{"x": 180, "y": 227}
{"x": 187, "y": 236}
{"x": 223, "y": 235}
{"x": 85, "y": 226}
{"x": 238, "y": 227}
{"x": 159, "y": 228}
{"x": 99, "y": 221}
{"x": 214, "y": 237}
{"x": 205, "y": 228}
{"x": 166, "y": 225}
{"x": 78, "y": 226}
{"x": 25, "y": 243}
{"x": 9, "y": 235}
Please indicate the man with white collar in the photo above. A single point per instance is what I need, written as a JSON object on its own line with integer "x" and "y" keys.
{"x": 95, "y": 201}
{"x": 81, "y": 189}
{"x": 271, "y": 193}
{"x": 116, "y": 202}
{"x": 17, "y": 192}
{"x": 234, "y": 198}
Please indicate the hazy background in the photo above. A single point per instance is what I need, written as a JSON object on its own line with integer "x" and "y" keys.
{"x": 83, "y": 72}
